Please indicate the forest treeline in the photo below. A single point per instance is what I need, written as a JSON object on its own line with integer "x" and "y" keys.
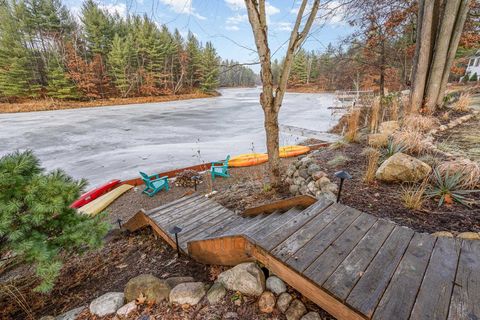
{"x": 379, "y": 54}
{"x": 46, "y": 52}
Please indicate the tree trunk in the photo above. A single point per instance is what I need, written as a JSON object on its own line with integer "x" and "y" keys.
{"x": 439, "y": 59}
{"x": 272, "y": 133}
{"x": 423, "y": 58}
{"x": 452, "y": 50}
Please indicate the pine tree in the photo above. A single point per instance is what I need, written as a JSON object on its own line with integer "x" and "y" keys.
{"x": 98, "y": 27}
{"x": 299, "y": 74}
{"x": 474, "y": 77}
{"x": 59, "y": 85}
{"x": 36, "y": 223}
{"x": 210, "y": 68}
{"x": 119, "y": 61}
{"x": 194, "y": 54}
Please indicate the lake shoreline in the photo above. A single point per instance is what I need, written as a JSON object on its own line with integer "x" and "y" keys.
{"x": 50, "y": 104}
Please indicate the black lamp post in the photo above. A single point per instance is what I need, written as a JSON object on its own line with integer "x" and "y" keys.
{"x": 342, "y": 175}
{"x": 195, "y": 181}
{"x": 119, "y": 221}
{"x": 175, "y": 230}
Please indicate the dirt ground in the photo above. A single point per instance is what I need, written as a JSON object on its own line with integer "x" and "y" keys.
{"x": 383, "y": 199}
{"x": 50, "y": 104}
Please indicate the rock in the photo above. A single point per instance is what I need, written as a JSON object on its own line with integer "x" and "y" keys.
{"x": 322, "y": 182}
{"x": 247, "y": 278}
{"x": 442, "y": 128}
{"x": 127, "y": 309}
{"x": 327, "y": 195}
{"x": 70, "y": 315}
{"x": 107, "y": 304}
{"x": 306, "y": 161}
{"x": 469, "y": 235}
{"x": 266, "y": 302}
{"x": 311, "y": 187}
{"x": 296, "y": 310}
{"x": 290, "y": 171}
{"x": 294, "y": 189}
{"x": 152, "y": 288}
{"x": 318, "y": 175}
{"x": 276, "y": 285}
{"x": 402, "y": 168}
{"x": 388, "y": 127}
{"x": 445, "y": 234}
{"x": 283, "y": 301}
{"x": 187, "y": 293}
{"x": 313, "y": 168}
{"x": 311, "y": 316}
{"x": 298, "y": 181}
{"x": 230, "y": 315}
{"x": 216, "y": 293}
{"x": 378, "y": 140}
{"x": 174, "y": 281}
{"x": 304, "y": 190}
{"x": 303, "y": 173}
{"x": 47, "y": 318}
{"x": 331, "y": 187}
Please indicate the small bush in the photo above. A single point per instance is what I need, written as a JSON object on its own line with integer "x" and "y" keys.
{"x": 36, "y": 221}
{"x": 413, "y": 141}
{"x": 339, "y": 144}
{"x": 375, "y": 115}
{"x": 467, "y": 169}
{"x": 392, "y": 148}
{"x": 463, "y": 103}
{"x": 373, "y": 156}
{"x": 352, "y": 126}
{"x": 447, "y": 187}
{"x": 413, "y": 196}
{"x": 338, "y": 161}
{"x": 419, "y": 123}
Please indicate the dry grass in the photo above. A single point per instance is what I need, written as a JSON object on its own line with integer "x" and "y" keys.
{"x": 394, "y": 110}
{"x": 412, "y": 140}
{"x": 50, "y": 104}
{"x": 373, "y": 156}
{"x": 469, "y": 170}
{"x": 413, "y": 196}
{"x": 445, "y": 116}
{"x": 353, "y": 120}
{"x": 419, "y": 123}
{"x": 375, "y": 115}
{"x": 463, "y": 103}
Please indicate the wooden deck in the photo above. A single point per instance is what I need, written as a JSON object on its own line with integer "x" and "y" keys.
{"x": 352, "y": 264}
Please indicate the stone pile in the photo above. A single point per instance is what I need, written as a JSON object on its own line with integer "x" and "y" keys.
{"x": 305, "y": 177}
{"x": 245, "y": 279}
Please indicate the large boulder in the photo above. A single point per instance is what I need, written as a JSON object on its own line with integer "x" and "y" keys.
{"x": 296, "y": 310}
{"x": 283, "y": 301}
{"x": 174, "y": 281}
{"x": 187, "y": 293}
{"x": 107, "y": 304}
{"x": 246, "y": 278}
{"x": 276, "y": 285}
{"x": 70, "y": 315}
{"x": 402, "y": 168}
{"x": 216, "y": 293}
{"x": 151, "y": 287}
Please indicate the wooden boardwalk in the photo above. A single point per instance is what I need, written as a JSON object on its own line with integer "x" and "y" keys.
{"x": 352, "y": 264}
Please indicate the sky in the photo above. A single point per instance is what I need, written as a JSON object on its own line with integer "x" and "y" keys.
{"x": 225, "y": 23}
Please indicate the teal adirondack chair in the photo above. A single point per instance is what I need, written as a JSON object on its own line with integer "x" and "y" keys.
{"x": 220, "y": 168}
{"x": 155, "y": 185}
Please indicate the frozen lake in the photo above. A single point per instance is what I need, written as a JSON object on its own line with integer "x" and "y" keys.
{"x": 116, "y": 142}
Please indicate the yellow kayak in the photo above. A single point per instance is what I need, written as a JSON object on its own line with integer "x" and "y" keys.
{"x": 248, "y": 159}
{"x": 98, "y": 205}
{"x": 292, "y": 151}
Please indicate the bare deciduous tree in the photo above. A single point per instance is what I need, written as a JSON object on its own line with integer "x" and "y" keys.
{"x": 272, "y": 95}
{"x": 439, "y": 29}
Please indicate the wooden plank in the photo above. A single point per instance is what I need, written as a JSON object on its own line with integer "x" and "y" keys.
{"x": 304, "y": 286}
{"x": 369, "y": 289}
{"x": 226, "y": 251}
{"x": 183, "y": 215}
{"x": 224, "y": 215}
{"x": 273, "y": 224}
{"x": 227, "y": 227}
{"x": 136, "y": 222}
{"x": 285, "y": 204}
{"x": 301, "y": 259}
{"x": 212, "y": 229}
{"x": 274, "y": 238}
{"x": 248, "y": 224}
{"x": 298, "y": 239}
{"x": 342, "y": 281}
{"x": 173, "y": 211}
{"x": 203, "y": 224}
{"x": 194, "y": 217}
{"x": 398, "y": 299}
{"x": 466, "y": 291}
{"x": 174, "y": 203}
{"x": 433, "y": 298}
{"x": 330, "y": 259}
{"x": 202, "y": 212}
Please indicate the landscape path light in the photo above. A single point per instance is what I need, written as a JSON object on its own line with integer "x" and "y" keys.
{"x": 195, "y": 181}
{"x": 342, "y": 175}
{"x": 176, "y": 230}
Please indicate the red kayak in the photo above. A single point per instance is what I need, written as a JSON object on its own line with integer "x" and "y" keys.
{"x": 94, "y": 194}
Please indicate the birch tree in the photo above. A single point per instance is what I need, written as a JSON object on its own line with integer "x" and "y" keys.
{"x": 272, "y": 95}
{"x": 439, "y": 29}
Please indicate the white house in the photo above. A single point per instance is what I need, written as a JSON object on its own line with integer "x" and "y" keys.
{"x": 473, "y": 65}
